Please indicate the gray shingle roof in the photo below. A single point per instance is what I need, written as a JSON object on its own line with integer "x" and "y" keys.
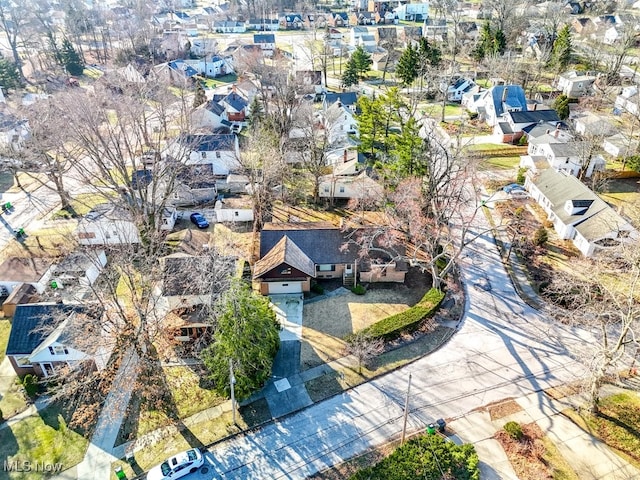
{"x": 30, "y": 321}
{"x": 285, "y": 251}
{"x": 594, "y": 218}
{"x": 322, "y": 242}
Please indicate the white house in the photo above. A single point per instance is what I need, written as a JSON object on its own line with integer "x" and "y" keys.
{"x": 629, "y": 100}
{"x": 565, "y": 157}
{"x": 458, "y": 88}
{"x": 47, "y": 338}
{"x": 266, "y": 41}
{"x": 229, "y": 27}
{"x": 356, "y": 32}
{"x": 339, "y": 122}
{"x": 109, "y": 224}
{"x": 350, "y": 180}
{"x": 15, "y": 271}
{"x": 215, "y": 66}
{"x": 195, "y": 184}
{"x": 210, "y": 115}
{"x": 78, "y": 269}
{"x": 594, "y": 125}
{"x": 220, "y": 150}
{"x": 620, "y": 145}
{"x": 578, "y": 214}
{"x": 263, "y": 24}
{"x": 575, "y": 84}
{"x": 412, "y": 11}
{"x": 494, "y": 102}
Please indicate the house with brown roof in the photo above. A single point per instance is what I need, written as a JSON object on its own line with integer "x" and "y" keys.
{"x": 294, "y": 254}
{"x": 15, "y": 271}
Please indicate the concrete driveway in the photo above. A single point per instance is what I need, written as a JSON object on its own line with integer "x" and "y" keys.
{"x": 502, "y": 349}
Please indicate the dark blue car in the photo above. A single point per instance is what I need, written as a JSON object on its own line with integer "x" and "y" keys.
{"x": 199, "y": 220}
{"x": 512, "y": 187}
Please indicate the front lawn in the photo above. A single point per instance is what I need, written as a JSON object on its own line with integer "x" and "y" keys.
{"x": 617, "y": 425}
{"x": 5, "y": 330}
{"x": 187, "y": 397}
{"x": 42, "y": 438}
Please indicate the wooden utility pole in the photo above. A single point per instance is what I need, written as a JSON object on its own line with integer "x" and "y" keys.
{"x": 406, "y": 412}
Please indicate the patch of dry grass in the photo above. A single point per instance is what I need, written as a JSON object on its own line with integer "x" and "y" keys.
{"x": 503, "y": 409}
{"x": 327, "y": 322}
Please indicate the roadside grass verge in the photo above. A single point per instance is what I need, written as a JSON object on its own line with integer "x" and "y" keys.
{"x": 43, "y": 438}
{"x": 616, "y": 425}
{"x": 500, "y": 163}
{"x": 5, "y": 330}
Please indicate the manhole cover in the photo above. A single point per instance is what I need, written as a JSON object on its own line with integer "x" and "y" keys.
{"x": 204, "y": 470}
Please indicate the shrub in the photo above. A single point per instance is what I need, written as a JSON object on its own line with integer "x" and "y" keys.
{"x": 407, "y": 321}
{"x": 358, "y": 290}
{"x": 1, "y": 416}
{"x": 30, "y": 384}
{"x": 315, "y": 288}
{"x": 521, "y": 177}
{"x": 540, "y": 237}
{"x": 523, "y": 141}
{"x": 427, "y": 456}
{"x": 514, "y": 430}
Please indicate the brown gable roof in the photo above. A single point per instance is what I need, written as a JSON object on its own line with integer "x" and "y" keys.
{"x": 285, "y": 251}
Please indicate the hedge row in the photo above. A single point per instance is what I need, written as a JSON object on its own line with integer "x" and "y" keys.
{"x": 408, "y": 321}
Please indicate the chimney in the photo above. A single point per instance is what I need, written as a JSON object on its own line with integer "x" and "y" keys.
{"x": 548, "y": 131}
{"x": 556, "y": 133}
{"x": 535, "y": 107}
{"x": 344, "y": 156}
{"x": 233, "y": 88}
{"x": 504, "y": 94}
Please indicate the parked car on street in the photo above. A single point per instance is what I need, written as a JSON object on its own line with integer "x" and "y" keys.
{"x": 199, "y": 220}
{"x": 519, "y": 194}
{"x": 177, "y": 466}
{"x": 512, "y": 187}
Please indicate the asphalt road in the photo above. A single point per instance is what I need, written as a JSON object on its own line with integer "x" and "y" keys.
{"x": 503, "y": 349}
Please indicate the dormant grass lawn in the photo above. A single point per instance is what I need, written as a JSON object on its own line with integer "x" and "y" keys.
{"x": 5, "y": 330}
{"x": 617, "y": 425}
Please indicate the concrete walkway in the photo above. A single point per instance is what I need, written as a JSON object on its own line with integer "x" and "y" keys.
{"x": 99, "y": 456}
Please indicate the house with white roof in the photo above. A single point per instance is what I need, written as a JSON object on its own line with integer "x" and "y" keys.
{"x": 629, "y": 100}
{"x": 578, "y": 214}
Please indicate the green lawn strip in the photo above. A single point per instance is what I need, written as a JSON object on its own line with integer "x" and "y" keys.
{"x": 187, "y": 398}
{"x": 616, "y": 425}
{"x": 497, "y": 149}
{"x": 205, "y": 432}
{"x": 335, "y": 382}
{"x": 13, "y": 401}
{"x": 5, "y": 330}
{"x": 41, "y": 438}
{"x": 502, "y": 163}
{"x": 82, "y": 204}
{"x": 557, "y": 463}
{"x": 435, "y": 109}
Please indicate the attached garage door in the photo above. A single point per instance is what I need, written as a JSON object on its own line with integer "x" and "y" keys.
{"x": 289, "y": 287}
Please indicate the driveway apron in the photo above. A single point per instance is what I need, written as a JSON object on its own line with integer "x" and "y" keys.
{"x": 285, "y": 392}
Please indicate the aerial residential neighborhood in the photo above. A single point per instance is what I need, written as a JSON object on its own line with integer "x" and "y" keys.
{"x": 324, "y": 240}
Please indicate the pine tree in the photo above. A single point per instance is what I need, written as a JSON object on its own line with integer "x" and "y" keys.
{"x": 200, "y": 97}
{"x": 428, "y": 54}
{"x": 72, "y": 61}
{"x": 256, "y": 112}
{"x": 9, "y": 75}
{"x": 362, "y": 61}
{"x": 499, "y": 42}
{"x": 407, "y": 68}
{"x": 562, "y": 50}
{"x": 561, "y": 106}
{"x": 485, "y": 41}
{"x": 350, "y": 74}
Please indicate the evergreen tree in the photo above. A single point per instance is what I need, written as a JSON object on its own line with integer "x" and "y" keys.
{"x": 561, "y": 106}
{"x": 370, "y": 124}
{"x": 200, "y": 97}
{"x": 256, "y": 112}
{"x": 562, "y": 50}
{"x": 407, "y": 68}
{"x": 484, "y": 45}
{"x": 362, "y": 61}
{"x": 247, "y": 335}
{"x": 350, "y": 74}
{"x": 428, "y": 54}
{"x": 9, "y": 75}
{"x": 405, "y": 148}
{"x": 73, "y": 63}
{"x": 499, "y": 42}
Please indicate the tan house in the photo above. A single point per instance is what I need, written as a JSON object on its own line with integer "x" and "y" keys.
{"x": 294, "y": 254}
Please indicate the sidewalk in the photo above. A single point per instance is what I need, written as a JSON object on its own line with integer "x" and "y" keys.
{"x": 588, "y": 457}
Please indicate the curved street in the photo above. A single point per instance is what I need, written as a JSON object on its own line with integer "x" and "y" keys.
{"x": 503, "y": 349}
